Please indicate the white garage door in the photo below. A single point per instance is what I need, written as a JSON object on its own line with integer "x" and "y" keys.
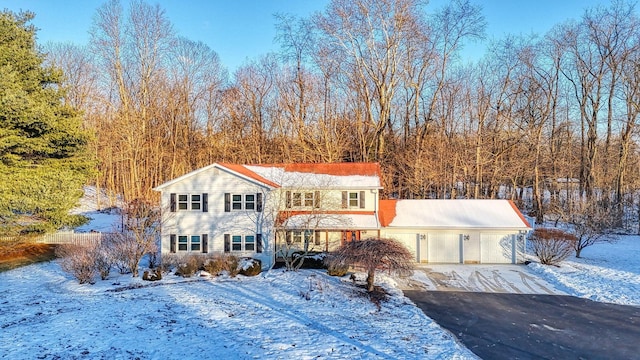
{"x": 496, "y": 249}
{"x": 444, "y": 248}
{"x": 408, "y": 240}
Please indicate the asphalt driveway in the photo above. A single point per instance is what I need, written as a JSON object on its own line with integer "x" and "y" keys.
{"x": 513, "y": 279}
{"x": 533, "y": 326}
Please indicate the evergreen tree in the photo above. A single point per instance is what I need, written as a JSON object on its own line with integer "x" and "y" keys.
{"x": 43, "y": 157}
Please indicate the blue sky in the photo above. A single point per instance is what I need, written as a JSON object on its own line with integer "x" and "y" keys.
{"x": 244, "y": 29}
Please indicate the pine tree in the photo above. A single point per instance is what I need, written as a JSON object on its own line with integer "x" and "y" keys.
{"x": 43, "y": 157}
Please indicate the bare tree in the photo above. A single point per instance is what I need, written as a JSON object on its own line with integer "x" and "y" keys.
{"x": 373, "y": 254}
{"x": 139, "y": 236}
{"x": 591, "y": 225}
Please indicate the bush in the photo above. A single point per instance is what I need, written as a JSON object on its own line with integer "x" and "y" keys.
{"x": 188, "y": 266}
{"x": 250, "y": 267}
{"x": 334, "y": 268}
{"x": 551, "y": 246}
{"x": 215, "y": 265}
{"x": 313, "y": 260}
{"x": 152, "y": 275}
{"x": 79, "y": 261}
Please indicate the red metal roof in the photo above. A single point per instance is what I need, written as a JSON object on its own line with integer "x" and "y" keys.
{"x": 386, "y": 212}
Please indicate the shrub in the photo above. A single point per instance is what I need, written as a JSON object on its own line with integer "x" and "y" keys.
{"x": 79, "y": 261}
{"x": 313, "y": 260}
{"x": 551, "y": 246}
{"x": 188, "y": 266}
{"x": 152, "y": 275}
{"x": 215, "y": 265}
{"x": 334, "y": 268}
{"x": 250, "y": 267}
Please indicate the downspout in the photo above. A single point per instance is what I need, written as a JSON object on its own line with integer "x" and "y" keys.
{"x": 376, "y": 210}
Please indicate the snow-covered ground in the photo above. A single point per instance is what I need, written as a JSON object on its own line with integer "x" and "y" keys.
{"x": 280, "y": 315}
{"x": 605, "y": 272}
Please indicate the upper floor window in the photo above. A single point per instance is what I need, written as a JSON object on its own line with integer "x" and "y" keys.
{"x": 353, "y": 199}
{"x": 242, "y": 202}
{"x": 306, "y": 199}
{"x": 184, "y": 202}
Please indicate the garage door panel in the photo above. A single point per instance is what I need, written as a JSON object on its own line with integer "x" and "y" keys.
{"x": 408, "y": 240}
{"x": 496, "y": 248}
{"x": 444, "y": 248}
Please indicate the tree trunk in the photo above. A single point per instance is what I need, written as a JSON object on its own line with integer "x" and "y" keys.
{"x": 370, "y": 278}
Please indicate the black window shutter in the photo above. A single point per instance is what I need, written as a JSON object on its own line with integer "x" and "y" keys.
{"x": 172, "y": 242}
{"x": 227, "y": 202}
{"x": 259, "y": 202}
{"x": 361, "y": 199}
{"x": 172, "y": 202}
{"x": 316, "y": 199}
{"x": 227, "y": 243}
{"x": 205, "y": 243}
{"x": 259, "y": 243}
{"x": 205, "y": 202}
{"x": 345, "y": 198}
{"x": 288, "y": 199}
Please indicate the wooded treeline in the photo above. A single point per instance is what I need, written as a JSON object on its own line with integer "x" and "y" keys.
{"x": 372, "y": 80}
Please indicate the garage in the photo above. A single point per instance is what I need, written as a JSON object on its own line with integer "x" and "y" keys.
{"x": 444, "y": 248}
{"x": 457, "y": 231}
{"x": 497, "y": 248}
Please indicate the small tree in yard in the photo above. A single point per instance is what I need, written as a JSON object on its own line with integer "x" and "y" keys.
{"x": 552, "y": 246}
{"x": 141, "y": 226}
{"x": 591, "y": 225}
{"x": 372, "y": 254}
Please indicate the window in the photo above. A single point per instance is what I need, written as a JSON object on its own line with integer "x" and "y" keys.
{"x": 183, "y": 202}
{"x": 236, "y": 203}
{"x": 303, "y": 199}
{"x": 236, "y": 243}
{"x": 183, "y": 243}
{"x": 191, "y": 243}
{"x": 195, "y": 202}
{"x": 310, "y": 237}
{"x": 242, "y": 202}
{"x": 240, "y": 243}
{"x": 297, "y": 199}
{"x": 195, "y": 243}
{"x": 249, "y": 243}
{"x": 354, "y": 200}
{"x": 308, "y": 199}
{"x": 250, "y": 202}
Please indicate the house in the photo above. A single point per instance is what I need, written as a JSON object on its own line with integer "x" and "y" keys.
{"x": 261, "y": 211}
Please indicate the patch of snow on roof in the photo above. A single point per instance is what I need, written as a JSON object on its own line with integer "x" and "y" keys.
{"x": 456, "y": 214}
{"x": 332, "y": 221}
{"x": 311, "y": 180}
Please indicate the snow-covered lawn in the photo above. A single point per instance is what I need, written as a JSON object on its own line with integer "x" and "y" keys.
{"x": 605, "y": 272}
{"x": 45, "y": 314}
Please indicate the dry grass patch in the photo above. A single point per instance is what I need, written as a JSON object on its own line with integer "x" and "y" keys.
{"x": 16, "y": 253}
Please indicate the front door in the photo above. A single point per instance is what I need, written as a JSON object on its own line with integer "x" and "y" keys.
{"x": 350, "y": 235}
